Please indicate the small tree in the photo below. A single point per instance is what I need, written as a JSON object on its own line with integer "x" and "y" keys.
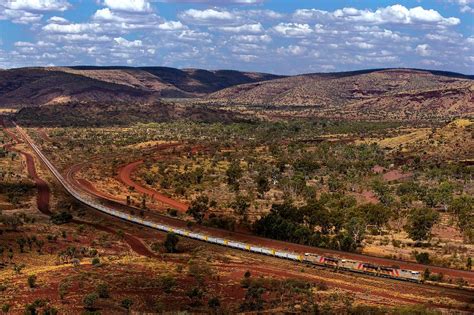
{"x": 469, "y": 263}
{"x": 214, "y": 303}
{"x": 126, "y": 303}
{"x": 420, "y": 223}
{"x": 89, "y": 300}
{"x": 199, "y": 207}
{"x": 32, "y": 281}
{"x": 170, "y": 242}
{"x": 103, "y": 291}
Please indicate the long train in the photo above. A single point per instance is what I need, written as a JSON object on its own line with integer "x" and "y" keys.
{"x": 308, "y": 258}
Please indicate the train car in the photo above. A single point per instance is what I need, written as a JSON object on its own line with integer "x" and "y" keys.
{"x": 348, "y": 264}
{"x": 368, "y": 268}
{"x": 409, "y": 275}
{"x": 281, "y": 254}
{"x": 221, "y": 241}
{"x": 212, "y": 240}
{"x": 330, "y": 261}
{"x": 267, "y": 251}
{"x": 294, "y": 256}
{"x": 388, "y": 272}
{"x": 313, "y": 259}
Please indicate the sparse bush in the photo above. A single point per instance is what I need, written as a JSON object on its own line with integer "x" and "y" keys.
{"x": 126, "y": 303}
{"x": 103, "y": 291}
{"x": 96, "y": 261}
{"x": 89, "y": 300}
{"x": 32, "y": 281}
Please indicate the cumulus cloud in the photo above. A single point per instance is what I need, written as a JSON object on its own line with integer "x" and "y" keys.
{"x": 172, "y": 26}
{"x": 293, "y": 50}
{"x": 207, "y": 16}
{"x": 220, "y": 2}
{"x": 246, "y": 28}
{"x": 293, "y": 29}
{"x": 37, "y": 5}
{"x": 128, "y": 5}
{"x": 423, "y": 50}
{"x": 128, "y": 44}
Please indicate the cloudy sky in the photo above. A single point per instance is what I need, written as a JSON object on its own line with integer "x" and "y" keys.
{"x": 278, "y": 36}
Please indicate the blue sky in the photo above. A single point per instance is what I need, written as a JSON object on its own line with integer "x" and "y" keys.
{"x": 278, "y": 36}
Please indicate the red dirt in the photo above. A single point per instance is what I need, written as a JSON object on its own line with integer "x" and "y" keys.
{"x": 124, "y": 176}
{"x": 394, "y": 175}
{"x": 43, "y": 198}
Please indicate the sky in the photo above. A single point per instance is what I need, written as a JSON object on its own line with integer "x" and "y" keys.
{"x": 275, "y": 36}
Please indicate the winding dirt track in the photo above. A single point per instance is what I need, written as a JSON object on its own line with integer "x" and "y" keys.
{"x": 125, "y": 175}
{"x": 43, "y": 198}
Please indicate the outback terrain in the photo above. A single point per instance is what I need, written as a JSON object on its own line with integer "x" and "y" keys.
{"x": 374, "y": 166}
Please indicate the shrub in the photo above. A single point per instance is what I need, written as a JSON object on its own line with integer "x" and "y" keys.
{"x": 170, "y": 242}
{"x": 126, "y": 303}
{"x": 214, "y": 302}
{"x": 103, "y": 290}
{"x": 422, "y": 258}
{"x": 89, "y": 300}
{"x": 96, "y": 261}
{"x": 61, "y": 218}
{"x": 32, "y": 281}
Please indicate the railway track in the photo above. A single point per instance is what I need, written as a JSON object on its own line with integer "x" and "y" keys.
{"x": 279, "y": 253}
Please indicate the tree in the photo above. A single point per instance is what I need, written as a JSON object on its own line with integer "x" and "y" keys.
{"x": 61, "y": 218}
{"x": 214, "y": 303}
{"x": 253, "y": 298}
{"x": 463, "y": 209}
{"x": 469, "y": 263}
{"x": 103, "y": 290}
{"x": 170, "y": 242}
{"x": 422, "y": 258}
{"x": 234, "y": 172}
{"x": 32, "y": 281}
{"x": 241, "y": 205}
{"x": 199, "y": 207}
{"x": 89, "y": 300}
{"x": 263, "y": 185}
{"x": 355, "y": 227}
{"x": 375, "y": 214}
{"x": 126, "y": 303}
{"x": 420, "y": 223}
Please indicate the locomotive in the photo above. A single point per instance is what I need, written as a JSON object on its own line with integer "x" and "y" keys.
{"x": 363, "y": 267}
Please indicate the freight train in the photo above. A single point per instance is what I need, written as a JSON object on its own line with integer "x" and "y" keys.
{"x": 308, "y": 258}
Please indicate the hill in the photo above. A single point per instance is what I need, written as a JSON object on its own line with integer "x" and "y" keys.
{"x": 53, "y": 85}
{"x": 388, "y": 93}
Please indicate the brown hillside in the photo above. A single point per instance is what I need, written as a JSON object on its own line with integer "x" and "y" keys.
{"x": 53, "y": 85}
{"x": 388, "y": 93}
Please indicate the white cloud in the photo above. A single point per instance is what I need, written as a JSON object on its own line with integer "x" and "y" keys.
{"x": 423, "y": 50}
{"x": 128, "y": 5}
{"x": 58, "y": 20}
{"x": 252, "y": 38}
{"x": 172, "y": 26}
{"x": 36, "y": 5}
{"x": 20, "y": 16}
{"x": 293, "y": 29}
{"x": 206, "y": 16}
{"x": 128, "y": 44}
{"x": 396, "y": 14}
{"x": 246, "y": 28}
{"x": 74, "y": 28}
{"x": 293, "y": 50}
